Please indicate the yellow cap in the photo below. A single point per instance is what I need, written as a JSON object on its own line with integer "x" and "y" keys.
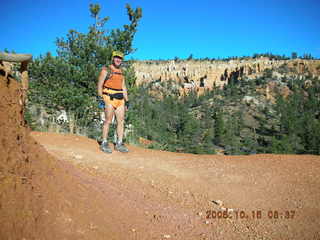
{"x": 117, "y": 54}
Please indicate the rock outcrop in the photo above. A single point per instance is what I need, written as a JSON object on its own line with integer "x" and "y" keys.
{"x": 206, "y": 74}
{"x": 8, "y": 59}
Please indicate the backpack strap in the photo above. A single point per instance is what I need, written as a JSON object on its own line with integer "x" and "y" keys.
{"x": 109, "y": 73}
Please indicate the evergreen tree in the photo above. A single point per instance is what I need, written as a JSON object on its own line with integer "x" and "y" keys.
{"x": 68, "y": 81}
{"x": 294, "y": 55}
{"x": 219, "y": 128}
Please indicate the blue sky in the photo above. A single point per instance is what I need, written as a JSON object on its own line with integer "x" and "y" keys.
{"x": 171, "y": 28}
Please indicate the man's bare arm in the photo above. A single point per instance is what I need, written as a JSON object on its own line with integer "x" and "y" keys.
{"x": 125, "y": 91}
{"x": 102, "y": 76}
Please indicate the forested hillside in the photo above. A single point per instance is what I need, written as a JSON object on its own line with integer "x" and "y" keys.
{"x": 265, "y": 115}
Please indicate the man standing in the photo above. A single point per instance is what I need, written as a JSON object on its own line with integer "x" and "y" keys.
{"x": 113, "y": 90}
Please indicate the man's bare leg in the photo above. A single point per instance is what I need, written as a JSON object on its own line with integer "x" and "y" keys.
{"x": 120, "y": 111}
{"x": 109, "y": 112}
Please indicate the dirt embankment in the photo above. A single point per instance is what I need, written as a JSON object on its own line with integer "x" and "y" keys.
{"x": 36, "y": 190}
{"x": 20, "y": 205}
{"x": 66, "y": 188}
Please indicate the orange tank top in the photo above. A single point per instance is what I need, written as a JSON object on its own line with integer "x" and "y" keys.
{"x": 115, "y": 80}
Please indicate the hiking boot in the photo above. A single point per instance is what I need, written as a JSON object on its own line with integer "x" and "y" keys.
{"x": 121, "y": 148}
{"x": 105, "y": 147}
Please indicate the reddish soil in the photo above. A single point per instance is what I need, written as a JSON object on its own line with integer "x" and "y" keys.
{"x": 57, "y": 186}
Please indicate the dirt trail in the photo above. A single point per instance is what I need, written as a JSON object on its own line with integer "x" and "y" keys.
{"x": 149, "y": 194}
{"x": 62, "y": 187}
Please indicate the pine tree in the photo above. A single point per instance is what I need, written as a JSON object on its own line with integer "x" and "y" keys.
{"x": 219, "y": 128}
{"x": 68, "y": 81}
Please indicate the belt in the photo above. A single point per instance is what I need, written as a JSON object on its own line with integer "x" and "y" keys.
{"x": 113, "y": 89}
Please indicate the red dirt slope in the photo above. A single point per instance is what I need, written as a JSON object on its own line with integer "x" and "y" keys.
{"x": 77, "y": 192}
{"x": 36, "y": 190}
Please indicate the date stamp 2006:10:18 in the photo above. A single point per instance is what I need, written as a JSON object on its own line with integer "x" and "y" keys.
{"x": 257, "y": 214}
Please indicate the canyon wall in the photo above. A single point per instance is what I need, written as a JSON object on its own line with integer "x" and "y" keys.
{"x": 206, "y": 73}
